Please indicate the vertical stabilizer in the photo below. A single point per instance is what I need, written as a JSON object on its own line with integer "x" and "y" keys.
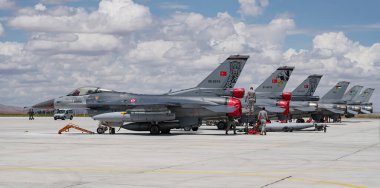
{"x": 226, "y": 74}
{"x": 276, "y": 82}
{"x": 336, "y": 93}
{"x": 352, "y": 93}
{"x": 365, "y": 96}
{"x": 308, "y": 86}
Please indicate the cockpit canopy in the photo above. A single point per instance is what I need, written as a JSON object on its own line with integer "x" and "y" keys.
{"x": 87, "y": 91}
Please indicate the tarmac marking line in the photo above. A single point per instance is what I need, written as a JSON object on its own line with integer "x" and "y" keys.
{"x": 276, "y": 181}
{"x": 172, "y": 171}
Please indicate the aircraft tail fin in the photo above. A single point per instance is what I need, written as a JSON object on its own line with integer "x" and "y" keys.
{"x": 365, "y": 96}
{"x": 226, "y": 74}
{"x": 221, "y": 81}
{"x": 352, "y": 93}
{"x": 308, "y": 86}
{"x": 277, "y": 81}
{"x": 336, "y": 93}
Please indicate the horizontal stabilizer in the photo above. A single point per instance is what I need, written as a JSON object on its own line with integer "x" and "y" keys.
{"x": 306, "y": 109}
{"x": 365, "y": 111}
{"x": 274, "y": 109}
{"x": 220, "y": 108}
{"x": 351, "y": 112}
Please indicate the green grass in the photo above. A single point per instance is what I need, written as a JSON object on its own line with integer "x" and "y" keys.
{"x": 366, "y": 116}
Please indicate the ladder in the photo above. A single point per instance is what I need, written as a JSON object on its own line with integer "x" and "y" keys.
{"x": 70, "y": 125}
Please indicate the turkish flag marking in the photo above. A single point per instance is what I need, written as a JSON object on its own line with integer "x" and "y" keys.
{"x": 306, "y": 86}
{"x": 274, "y": 81}
{"x": 223, "y": 73}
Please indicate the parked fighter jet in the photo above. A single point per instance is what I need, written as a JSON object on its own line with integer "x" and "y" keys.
{"x": 303, "y": 101}
{"x": 360, "y": 103}
{"x": 269, "y": 95}
{"x": 213, "y": 97}
{"x": 330, "y": 104}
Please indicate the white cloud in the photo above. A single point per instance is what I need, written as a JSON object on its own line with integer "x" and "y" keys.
{"x": 73, "y": 43}
{"x": 1, "y": 30}
{"x": 112, "y": 16}
{"x": 40, "y": 7}
{"x": 180, "y": 50}
{"x": 6, "y": 4}
{"x": 252, "y": 7}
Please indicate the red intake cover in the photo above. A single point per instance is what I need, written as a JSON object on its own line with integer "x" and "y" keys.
{"x": 284, "y": 104}
{"x": 238, "y": 92}
{"x": 287, "y": 96}
{"x": 234, "y": 103}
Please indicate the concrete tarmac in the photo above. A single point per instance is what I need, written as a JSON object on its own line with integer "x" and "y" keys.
{"x": 32, "y": 154}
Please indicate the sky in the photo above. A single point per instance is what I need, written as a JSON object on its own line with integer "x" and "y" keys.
{"x": 50, "y": 47}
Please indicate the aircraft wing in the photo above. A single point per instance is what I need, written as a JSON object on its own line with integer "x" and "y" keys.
{"x": 274, "y": 109}
{"x": 333, "y": 110}
{"x": 352, "y": 112}
{"x": 305, "y": 109}
{"x": 221, "y": 108}
{"x": 365, "y": 111}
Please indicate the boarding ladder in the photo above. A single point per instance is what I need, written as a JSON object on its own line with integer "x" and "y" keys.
{"x": 70, "y": 125}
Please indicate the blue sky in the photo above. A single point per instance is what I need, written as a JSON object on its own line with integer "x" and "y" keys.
{"x": 351, "y": 16}
{"x": 74, "y": 41}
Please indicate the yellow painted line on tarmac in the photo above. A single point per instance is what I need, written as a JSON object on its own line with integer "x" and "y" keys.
{"x": 172, "y": 171}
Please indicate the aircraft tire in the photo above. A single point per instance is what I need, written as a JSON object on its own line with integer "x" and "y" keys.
{"x": 195, "y": 128}
{"x": 165, "y": 131}
{"x": 71, "y": 117}
{"x": 112, "y": 130}
{"x": 221, "y": 125}
{"x": 154, "y": 130}
{"x": 285, "y": 129}
{"x": 100, "y": 130}
{"x": 63, "y": 118}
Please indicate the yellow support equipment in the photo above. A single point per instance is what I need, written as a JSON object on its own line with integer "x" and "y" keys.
{"x": 70, "y": 125}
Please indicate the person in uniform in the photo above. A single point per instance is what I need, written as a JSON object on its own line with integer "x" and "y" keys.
{"x": 31, "y": 114}
{"x": 263, "y": 118}
{"x": 250, "y": 99}
{"x": 231, "y": 122}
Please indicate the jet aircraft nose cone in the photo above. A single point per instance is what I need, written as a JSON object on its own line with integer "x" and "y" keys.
{"x": 45, "y": 104}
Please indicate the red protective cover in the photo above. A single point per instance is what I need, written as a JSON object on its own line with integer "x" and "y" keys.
{"x": 287, "y": 96}
{"x": 238, "y": 92}
{"x": 237, "y": 104}
{"x": 284, "y": 104}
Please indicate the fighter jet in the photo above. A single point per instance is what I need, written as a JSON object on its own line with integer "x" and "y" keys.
{"x": 213, "y": 97}
{"x": 331, "y": 104}
{"x": 360, "y": 103}
{"x": 303, "y": 101}
{"x": 270, "y": 95}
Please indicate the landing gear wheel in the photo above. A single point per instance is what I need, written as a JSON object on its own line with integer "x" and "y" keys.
{"x": 55, "y": 118}
{"x": 71, "y": 117}
{"x": 195, "y": 128}
{"x": 187, "y": 128}
{"x": 100, "y": 130}
{"x": 112, "y": 130}
{"x": 285, "y": 129}
{"x": 221, "y": 125}
{"x": 63, "y": 118}
{"x": 165, "y": 131}
{"x": 154, "y": 130}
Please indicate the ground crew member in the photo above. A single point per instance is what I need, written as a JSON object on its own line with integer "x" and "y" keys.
{"x": 263, "y": 117}
{"x": 231, "y": 122}
{"x": 31, "y": 114}
{"x": 250, "y": 99}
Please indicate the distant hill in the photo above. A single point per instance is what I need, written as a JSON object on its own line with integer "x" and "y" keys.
{"x": 4, "y": 109}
